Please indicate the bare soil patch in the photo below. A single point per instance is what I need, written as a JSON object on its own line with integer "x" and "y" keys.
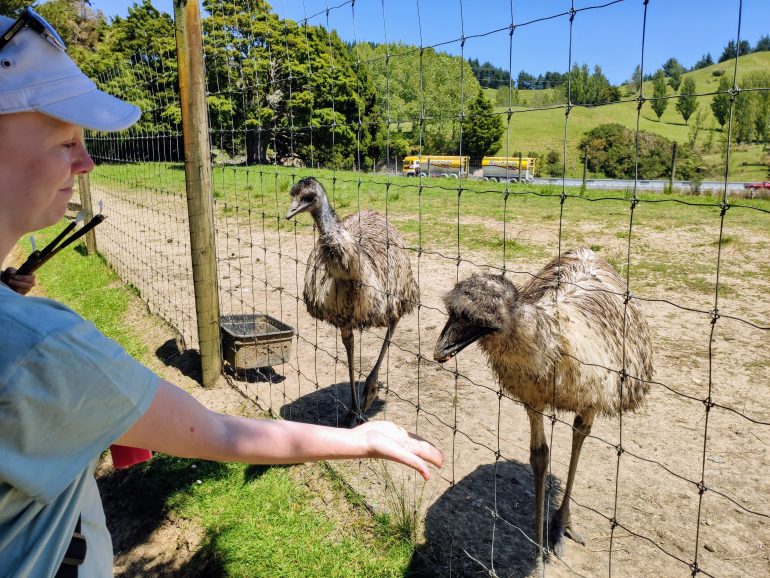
{"x": 478, "y": 510}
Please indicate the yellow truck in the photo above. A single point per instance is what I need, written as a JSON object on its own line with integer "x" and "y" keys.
{"x": 435, "y": 166}
{"x": 504, "y": 169}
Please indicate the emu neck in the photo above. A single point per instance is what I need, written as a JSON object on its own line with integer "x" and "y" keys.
{"x": 325, "y": 219}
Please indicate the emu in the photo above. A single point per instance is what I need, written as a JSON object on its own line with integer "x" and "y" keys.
{"x": 557, "y": 343}
{"x": 358, "y": 276}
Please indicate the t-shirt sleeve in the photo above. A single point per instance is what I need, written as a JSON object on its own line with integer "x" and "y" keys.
{"x": 65, "y": 401}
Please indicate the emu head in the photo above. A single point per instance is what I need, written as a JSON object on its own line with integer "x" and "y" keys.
{"x": 306, "y": 195}
{"x": 477, "y": 306}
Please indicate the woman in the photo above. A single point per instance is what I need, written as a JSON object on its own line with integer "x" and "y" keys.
{"x": 66, "y": 391}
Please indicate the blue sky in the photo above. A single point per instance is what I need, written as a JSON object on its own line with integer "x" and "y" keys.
{"x": 610, "y": 36}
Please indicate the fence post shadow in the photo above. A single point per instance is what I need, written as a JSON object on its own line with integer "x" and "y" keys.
{"x": 187, "y": 361}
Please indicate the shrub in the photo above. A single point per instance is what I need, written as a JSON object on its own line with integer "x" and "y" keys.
{"x": 553, "y": 165}
{"x": 611, "y": 151}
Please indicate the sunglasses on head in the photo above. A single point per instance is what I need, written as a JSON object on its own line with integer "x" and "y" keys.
{"x": 37, "y": 23}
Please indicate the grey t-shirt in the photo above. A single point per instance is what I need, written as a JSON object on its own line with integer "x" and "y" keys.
{"x": 66, "y": 393}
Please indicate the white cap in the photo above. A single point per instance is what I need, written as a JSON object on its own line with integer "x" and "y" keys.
{"x": 36, "y": 76}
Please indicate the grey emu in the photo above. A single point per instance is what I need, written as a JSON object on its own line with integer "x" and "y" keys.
{"x": 358, "y": 276}
{"x": 549, "y": 343}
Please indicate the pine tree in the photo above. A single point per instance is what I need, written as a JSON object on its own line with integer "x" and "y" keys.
{"x": 704, "y": 61}
{"x": 763, "y": 44}
{"x": 482, "y": 128}
{"x": 659, "y": 92}
{"x": 687, "y": 103}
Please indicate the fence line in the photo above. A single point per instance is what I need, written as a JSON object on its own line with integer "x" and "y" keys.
{"x": 452, "y": 228}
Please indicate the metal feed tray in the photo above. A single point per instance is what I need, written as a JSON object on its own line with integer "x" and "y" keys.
{"x": 255, "y": 340}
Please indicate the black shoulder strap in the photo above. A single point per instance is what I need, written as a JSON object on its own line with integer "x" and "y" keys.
{"x": 74, "y": 556}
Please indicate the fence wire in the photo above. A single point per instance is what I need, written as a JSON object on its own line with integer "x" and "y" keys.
{"x": 680, "y": 487}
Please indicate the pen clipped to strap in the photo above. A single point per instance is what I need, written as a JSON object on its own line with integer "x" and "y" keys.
{"x": 37, "y": 258}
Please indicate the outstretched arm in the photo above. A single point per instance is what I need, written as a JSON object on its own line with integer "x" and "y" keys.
{"x": 177, "y": 424}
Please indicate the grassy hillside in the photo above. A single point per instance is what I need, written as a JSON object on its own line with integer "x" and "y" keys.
{"x": 544, "y": 130}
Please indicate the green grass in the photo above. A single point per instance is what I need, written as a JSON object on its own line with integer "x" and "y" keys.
{"x": 434, "y": 208}
{"x": 259, "y": 522}
{"x": 256, "y": 521}
{"x": 674, "y": 237}
{"x": 543, "y": 130}
{"x": 91, "y": 288}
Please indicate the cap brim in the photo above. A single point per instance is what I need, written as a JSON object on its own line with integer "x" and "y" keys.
{"x": 95, "y": 110}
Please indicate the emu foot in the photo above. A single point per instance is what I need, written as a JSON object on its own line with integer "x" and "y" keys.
{"x": 561, "y": 526}
{"x": 539, "y": 565}
{"x": 370, "y": 392}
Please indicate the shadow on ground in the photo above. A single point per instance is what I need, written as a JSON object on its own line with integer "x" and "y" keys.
{"x": 460, "y": 526}
{"x": 135, "y": 507}
{"x": 327, "y": 406}
{"x": 187, "y": 361}
{"x": 463, "y": 536}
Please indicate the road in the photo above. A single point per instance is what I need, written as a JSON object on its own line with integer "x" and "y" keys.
{"x": 642, "y": 185}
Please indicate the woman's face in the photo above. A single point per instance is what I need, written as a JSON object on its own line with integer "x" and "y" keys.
{"x": 39, "y": 160}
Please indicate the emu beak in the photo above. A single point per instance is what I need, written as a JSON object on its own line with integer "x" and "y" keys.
{"x": 297, "y": 207}
{"x": 456, "y": 336}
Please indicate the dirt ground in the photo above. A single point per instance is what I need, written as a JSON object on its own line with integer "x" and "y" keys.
{"x": 477, "y": 510}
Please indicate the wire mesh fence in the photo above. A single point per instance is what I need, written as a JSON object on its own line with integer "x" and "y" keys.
{"x": 679, "y": 487}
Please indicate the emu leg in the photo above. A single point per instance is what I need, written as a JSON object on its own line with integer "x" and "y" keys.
{"x": 355, "y": 415}
{"x": 370, "y": 391}
{"x": 561, "y": 522}
{"x": 538, "y": 459}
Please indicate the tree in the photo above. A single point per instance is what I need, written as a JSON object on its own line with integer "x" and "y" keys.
{"x": 763, "y": 44}
{"x": 553, "y": 165}
{"x": 636, "y": 78}
{"x": 704, "y": 61}
{"x": 751, "y": 114}
{"x": 688, "y": 102}
{"x": 488, "y": 75}
{"x": 587, "y": 88}
{"x": 673, "y": 70}
{"x": 482, "y": 128}
{"x": 659, "y": 102}
{"x": 695, "y": 130}
{"x": 720, "y": 104}
{"x": 410, "y": 84}
{"x": 525, "y": 80}
{"x": 79, "y": 25}
{"x": 744, "y": 48}
{"x": 284, "y": 90}
{"x": 611, "y": 150}
{"x": 731, "y": 50}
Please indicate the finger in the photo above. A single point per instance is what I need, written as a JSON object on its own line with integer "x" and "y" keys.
{"x": 426, "y": 450}
{"x": 413, "y": 461}
{"x": 19, "y": 283}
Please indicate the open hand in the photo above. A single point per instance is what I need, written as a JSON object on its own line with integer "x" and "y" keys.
{"x": 384, "y": 439}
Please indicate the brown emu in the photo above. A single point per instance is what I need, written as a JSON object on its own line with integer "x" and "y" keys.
{"x": 358, "y": 276}
{"x": 557, "y": 344}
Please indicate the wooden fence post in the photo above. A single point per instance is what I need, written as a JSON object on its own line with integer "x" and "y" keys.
{"x": 84, "y": 185}
{"x": 197, "y": 167}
